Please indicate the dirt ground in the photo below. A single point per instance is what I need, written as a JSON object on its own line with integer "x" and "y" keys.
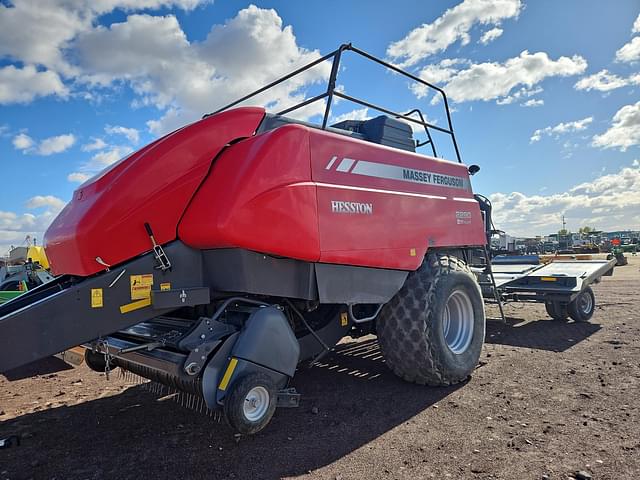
{"x": 548, "y": 398}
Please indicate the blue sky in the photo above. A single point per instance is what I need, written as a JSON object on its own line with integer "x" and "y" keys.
{"x": 546, "y": 94}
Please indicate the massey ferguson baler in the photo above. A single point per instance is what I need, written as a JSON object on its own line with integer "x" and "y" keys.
{"x": 218, "y": 258}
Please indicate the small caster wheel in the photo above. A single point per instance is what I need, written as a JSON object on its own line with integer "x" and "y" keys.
{"x": 250, "y": 403}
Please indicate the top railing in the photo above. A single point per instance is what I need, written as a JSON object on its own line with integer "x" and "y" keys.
{"x": 332, "y": 92}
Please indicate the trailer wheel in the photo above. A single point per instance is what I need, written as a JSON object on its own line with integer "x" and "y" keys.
{"x": 432, "y": 331}
{"x": 582, "y": 307}
{"x": 250, "y": 403}
{"x": 557, "y": 311}
{"x": 96, "y": 361}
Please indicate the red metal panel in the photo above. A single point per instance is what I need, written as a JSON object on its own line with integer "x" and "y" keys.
{"x": 398, "y": 203}
{"x": 259, "y": 197}
{"x": 106, "y": 216}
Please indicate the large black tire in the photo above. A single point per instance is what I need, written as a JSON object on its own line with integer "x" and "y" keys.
{"x": 582, "y": 307}
{"x": 557, "y": 310}
{"x": 411, "y": 327}
{"x": 250, "y": 420}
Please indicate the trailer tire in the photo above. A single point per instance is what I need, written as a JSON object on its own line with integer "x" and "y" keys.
{"x": 432, "y": 330}
{"x": 582, "y": 307}
{"x": 557, "y": 311}
{"x": 250, "y": 403}
{"x": 96, "y": 361}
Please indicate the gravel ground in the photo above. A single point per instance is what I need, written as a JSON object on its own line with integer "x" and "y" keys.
{"x": 548, "y": 398}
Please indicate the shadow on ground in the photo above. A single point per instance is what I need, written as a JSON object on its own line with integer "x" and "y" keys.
{"x": 547, "y": 334}
{"x": 133, "y": 434}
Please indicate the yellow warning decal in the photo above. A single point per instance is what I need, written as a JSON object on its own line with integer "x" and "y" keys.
{"x": 549, "y": 279}
{"x": 165, "y": 286}
{"x": 227, "y": 374}
{"x": 141, "y": 286}
{"x": 344, "y": 319}
{"x": 130, "y": 307}
{"x": 412, "y": 252}
{"x": 96, "y": 298}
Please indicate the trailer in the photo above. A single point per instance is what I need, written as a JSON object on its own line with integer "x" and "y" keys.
{"x": 563, "y": 286}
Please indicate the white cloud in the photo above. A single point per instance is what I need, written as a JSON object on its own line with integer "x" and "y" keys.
{"x": 605, "y": 81}
{"x": 22, "y": 141}
{"x": 57, "y": 144}
{"x": 624, "y": 131}
{"x": 452, "y": 26}
{"x": 610, "y": 202}
{"x": 131, "y": 133}
{"x": 533, "y": 102}
{"x": 636, "y": 25}
{"x": 15, "y": 227}
{"x": 629, "y": 52}
{"x": 107, "y": 157}
{"x": 187, "y": 78}
{"x": 490, "y": 35}
{"x": 47, "y": 146}
{"x": 520, "y": 94}
{"x": 357, "y": 114}
{"x": 491, "y": 80}
{"x": 40, "y": 201}
{"x": 96, "y": 144}
{"x": 561, "y": 128}
{"x": 77, "y": 177}
{"x": 39, "y": 32}
{"x": 22, "y": 85}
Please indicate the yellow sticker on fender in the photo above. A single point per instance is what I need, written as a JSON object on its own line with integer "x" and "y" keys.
{"x": 165, "y": 286}
{"x": 96, "y": 298}
{"x": 141, "y": 286}
{"x": 344, "y": 319}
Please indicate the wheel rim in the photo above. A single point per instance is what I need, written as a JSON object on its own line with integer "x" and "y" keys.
{"x": 458, "y": 322}
{"x": 585, "y": 303}
{"x": 256, "y": 404}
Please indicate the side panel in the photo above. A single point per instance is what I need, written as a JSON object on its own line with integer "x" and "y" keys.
{"x": 258, "y": 196}
{"x": 106, "y": 216}
{"x": 382, "y": 207}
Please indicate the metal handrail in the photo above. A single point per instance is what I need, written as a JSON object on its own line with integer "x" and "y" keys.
{"x": 331, "y": 91}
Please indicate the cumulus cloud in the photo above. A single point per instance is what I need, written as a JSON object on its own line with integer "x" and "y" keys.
{"x": 605, "y": 81}
{"x": 624, "y": 131}
{"x": 561, "y": 128}
{"x": 533, "y": 102}
{"x": 22, "y": 141}
{"x": 490, "y": 35}
{"x": 131, "y": 134}
{"x": 57, "y": 144}
{"x": 95, "y": 144}
{"x": 357, "y": 114}
{"x": 77, "y": 177}
{"x": 630, "y": 52}
{"x": 45, "y": 147}
{"x": 15, "y": 227}
{"x": 22, "y": 85}
{"x": 155, "y": 57}
{"x": 636, "y": 25}
{"x": 38, "y": 33}
{"x": 492, "y": 80}
{"x": 608, "y": 203}
{"x": 452, "y": 26}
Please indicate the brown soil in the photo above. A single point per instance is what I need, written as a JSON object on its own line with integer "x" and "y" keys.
{"x": 549, "y": 398}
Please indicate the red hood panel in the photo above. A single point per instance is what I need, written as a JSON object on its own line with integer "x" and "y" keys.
{"x": 106, "y": 216}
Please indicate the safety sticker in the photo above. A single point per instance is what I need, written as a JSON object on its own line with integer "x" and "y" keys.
{"x": 165, "y": 286}
{"x": 344, "y": 319}
{"x": 141, "y": 286}
{"x": 96, "y": 298}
